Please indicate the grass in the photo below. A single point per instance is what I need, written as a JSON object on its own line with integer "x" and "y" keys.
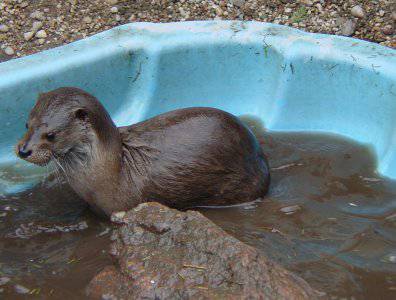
{"x": 299, "y": 15}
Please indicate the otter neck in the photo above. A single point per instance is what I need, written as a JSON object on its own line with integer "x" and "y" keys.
{"x": 106, "y": 150}
{"x": 99, "y": 179}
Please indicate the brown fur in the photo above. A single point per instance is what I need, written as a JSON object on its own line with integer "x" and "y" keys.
{"x": 183, "y": 158}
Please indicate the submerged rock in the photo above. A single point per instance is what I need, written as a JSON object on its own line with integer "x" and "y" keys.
{"x": 20, "y": 289}
{"x": 163, "y": 253}
{"x": 4, "y": 280}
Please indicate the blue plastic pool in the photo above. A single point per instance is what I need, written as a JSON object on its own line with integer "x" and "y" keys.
{"x": 291, "y": 80}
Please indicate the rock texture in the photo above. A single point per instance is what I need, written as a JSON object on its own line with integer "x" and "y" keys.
{"x": 163, "y": 253}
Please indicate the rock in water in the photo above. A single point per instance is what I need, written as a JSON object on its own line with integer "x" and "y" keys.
{"x": 163, "y": 253}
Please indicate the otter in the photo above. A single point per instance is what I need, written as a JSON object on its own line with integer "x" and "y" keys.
{"x": 184, "y": 158}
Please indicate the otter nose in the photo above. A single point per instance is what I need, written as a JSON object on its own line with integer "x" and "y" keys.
{"x": 23, "y": 152}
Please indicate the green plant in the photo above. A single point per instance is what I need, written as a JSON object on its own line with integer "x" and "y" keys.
{"x": 299, "y": 15}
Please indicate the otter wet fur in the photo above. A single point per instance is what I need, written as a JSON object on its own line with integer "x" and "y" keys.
{"x": 183, "y": 158}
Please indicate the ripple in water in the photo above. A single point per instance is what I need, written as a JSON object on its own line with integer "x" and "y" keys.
{"x": 328, "y": 217}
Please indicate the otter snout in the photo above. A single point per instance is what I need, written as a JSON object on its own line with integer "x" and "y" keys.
{"x": 36, "y": 153}
{"x": 23, "y": 151}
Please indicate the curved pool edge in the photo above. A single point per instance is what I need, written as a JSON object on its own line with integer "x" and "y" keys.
{"x": 152, "y": 40}
{"x": 153, "y": 36}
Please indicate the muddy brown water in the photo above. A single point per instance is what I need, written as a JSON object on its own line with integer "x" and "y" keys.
{"x": 328, "y": 217}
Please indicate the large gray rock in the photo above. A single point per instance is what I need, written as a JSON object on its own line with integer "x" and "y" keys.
{"x": 163, "y": 253}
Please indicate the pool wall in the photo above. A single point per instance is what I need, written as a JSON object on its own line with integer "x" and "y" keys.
{"x": 291, "y": 80}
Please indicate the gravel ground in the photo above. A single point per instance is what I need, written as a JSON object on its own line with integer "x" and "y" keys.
{"x": 31, "y": 26}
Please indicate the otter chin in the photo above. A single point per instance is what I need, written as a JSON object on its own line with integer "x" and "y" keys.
{"x": 184, "y": 158}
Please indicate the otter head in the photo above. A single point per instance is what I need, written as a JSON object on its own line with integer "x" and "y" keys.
{"x": 63, "y": 126}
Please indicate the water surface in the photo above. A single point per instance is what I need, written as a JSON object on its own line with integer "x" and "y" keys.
{"x": 328, "y": 217}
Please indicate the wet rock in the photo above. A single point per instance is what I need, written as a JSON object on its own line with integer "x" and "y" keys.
{"x": 112, "y": 2}
{"x": 104, "y": 232}
{"x": 390, "y": 258}
{"x": 357, "y": 11}
{"x": 391, "y": 218}
{"x": 163, "y": 253}
{"x": 20, "y": 289}
{"x": 288, "y": 210}
{"x": 4, "y": 280}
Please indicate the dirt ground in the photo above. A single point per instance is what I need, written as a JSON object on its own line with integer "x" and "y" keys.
{"x": 27, "y": 26}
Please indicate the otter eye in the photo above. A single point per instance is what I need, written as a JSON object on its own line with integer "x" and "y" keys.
{"x": 81, "y": 114}
{"x": 50, "y": 136}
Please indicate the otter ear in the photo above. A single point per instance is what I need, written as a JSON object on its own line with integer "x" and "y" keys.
{"x": 81, "y": 114}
